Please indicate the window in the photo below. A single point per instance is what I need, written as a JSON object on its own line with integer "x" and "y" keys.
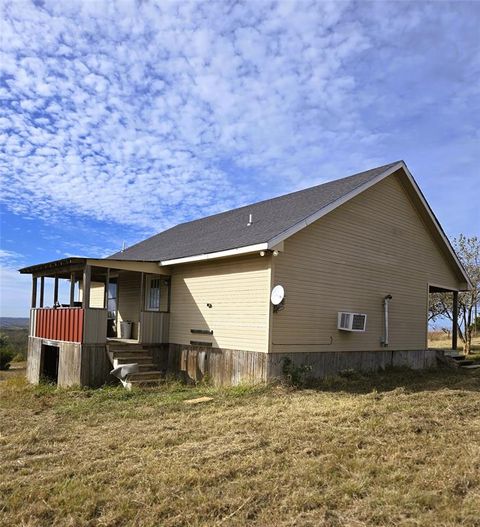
{"x": 153, "y": 294}
{"x": 112, "y": 299}
{"x": 157, "y": 293}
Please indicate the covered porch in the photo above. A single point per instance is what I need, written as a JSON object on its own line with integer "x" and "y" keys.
{"x": 434, "y": 289}
{"x": 90, "y": 301}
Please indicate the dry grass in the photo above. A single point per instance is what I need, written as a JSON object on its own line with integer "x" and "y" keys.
{"x": 439, "y": 339}
{"x": 396, "y": 449}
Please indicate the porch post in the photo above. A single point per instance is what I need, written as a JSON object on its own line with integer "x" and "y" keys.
{"x": 455, "y": 321}
{"x": 142, "y": 291}
{"x": 55, "y": 291}
{"x": 87, "y": 273}
{"x": 34, "y": 292}
{"x": 72, "y": 289}
{"x": 42, "y": 290}
{"x": 107, "y": 282}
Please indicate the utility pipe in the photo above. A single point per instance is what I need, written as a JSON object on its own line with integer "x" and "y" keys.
{"x": 385, "y": 319}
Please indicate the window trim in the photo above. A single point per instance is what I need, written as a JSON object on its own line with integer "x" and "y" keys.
{"x": 148, "y": 292}
{"x": 149, "y": 278}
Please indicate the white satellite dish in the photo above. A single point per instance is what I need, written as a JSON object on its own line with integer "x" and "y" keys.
{"x": 278, "y": 294}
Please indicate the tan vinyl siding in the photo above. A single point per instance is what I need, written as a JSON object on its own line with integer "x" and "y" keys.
{"x": 97, "y": 294}
{"x": 239, "y": 293}
{"x": 374, "y": 245}
{"x": 128, "y": 303}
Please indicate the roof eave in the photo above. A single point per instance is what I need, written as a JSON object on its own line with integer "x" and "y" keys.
{"x": 361, "y": 188}
{"x": 332, "y": 206}
{"x": 438, "y": 227}
{"x": 51, "y": 265}
{"x": 248, "y": 249}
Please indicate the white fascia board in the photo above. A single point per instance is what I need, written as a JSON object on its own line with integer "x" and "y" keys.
{"x": 125, "y": 265}
{"x": 220, "y": 254}
{"x": 332, "y": 206}
{"x": 437, "y": 224}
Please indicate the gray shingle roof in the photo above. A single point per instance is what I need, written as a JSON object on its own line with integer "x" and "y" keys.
{"x": 228, "y": 230}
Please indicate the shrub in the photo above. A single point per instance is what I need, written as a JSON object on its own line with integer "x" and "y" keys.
{"x": 6, "y": 356}
{"x": 295, "y": 375}
{"x": 6, "y": 353}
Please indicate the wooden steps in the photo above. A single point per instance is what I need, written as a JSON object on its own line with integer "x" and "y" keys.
{"x": 125, "y": 353}
{"x": 454, "y": 360}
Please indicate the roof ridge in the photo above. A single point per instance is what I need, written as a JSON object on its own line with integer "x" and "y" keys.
{"x": 385, "y": 167}
{"x": 389, "y": 165}
{"x": 218, "y": 214}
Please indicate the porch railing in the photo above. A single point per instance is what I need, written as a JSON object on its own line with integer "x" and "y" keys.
{"x": 70, "y": 324}
{"x": 57, "y": 324}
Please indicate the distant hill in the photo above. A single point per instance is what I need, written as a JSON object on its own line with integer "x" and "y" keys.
{"x": 13, "y": 323}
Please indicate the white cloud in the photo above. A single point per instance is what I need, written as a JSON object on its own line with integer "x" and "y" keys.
{"x": 15, "y": 288}
{"x": 150, "y": 113}
{"x": 129, "y": 113}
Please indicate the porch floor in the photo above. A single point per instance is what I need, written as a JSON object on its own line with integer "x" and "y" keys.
{"x": 122, "y": 341}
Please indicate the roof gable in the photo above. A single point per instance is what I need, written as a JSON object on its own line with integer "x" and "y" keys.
{"x": 229, "y": 230}
{"x": 274, "y": 221}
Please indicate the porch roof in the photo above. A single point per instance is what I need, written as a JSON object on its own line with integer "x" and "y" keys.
{"x": 67, "y": 265}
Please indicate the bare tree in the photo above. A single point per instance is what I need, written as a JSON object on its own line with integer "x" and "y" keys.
{"x": 441, "y": 304}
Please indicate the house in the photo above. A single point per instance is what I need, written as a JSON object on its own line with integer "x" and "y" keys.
{"x": 356, "y": 259}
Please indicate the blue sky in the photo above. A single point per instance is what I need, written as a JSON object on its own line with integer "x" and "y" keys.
{"x": 120, "y": 119}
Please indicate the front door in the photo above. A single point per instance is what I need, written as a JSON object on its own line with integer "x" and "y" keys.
{"x": 112, "y": 308}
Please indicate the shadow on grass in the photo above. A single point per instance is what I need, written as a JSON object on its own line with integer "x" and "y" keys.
{"x": 412, "y": 381}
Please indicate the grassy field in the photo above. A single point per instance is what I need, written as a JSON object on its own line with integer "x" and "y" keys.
{"x": 439, "y": 339}
{"x": 395, "y": 449}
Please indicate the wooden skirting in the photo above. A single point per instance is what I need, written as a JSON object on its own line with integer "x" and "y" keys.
{"x": 226, "y": 367}
{"x": 78, "y": 364}
{"x": 329, "y": 364}
{"x": 88, "y": 364}
{"x": 223, "y": 367}
{"x": 159, "y": 355}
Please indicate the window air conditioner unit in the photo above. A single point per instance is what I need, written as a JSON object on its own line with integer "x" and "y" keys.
{"x": 352, "y": 321}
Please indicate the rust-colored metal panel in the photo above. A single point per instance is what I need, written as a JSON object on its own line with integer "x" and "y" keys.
{"x": 75, "y": 325}
{"x": 66, "y": 329}
{"x": 48, "y": 323}
{"x": 66, "y": 315}
{"x": 65, "y": 324}
{"x": 60, "y": 335}
{"x": 40, "y": 319}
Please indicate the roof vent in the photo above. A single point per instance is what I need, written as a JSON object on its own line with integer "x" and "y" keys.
{"x": 250, "y": 220}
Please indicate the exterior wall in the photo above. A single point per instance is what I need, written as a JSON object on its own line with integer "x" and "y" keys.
{"x": 95, "y": 326}
{"x": 154, "y": 327}
{"x": 128, "y": 301}
{"x": 95, "y": 366}
{"x": 78, "y": 364}
{"x": 97, "y": 294}
{"x": 331, "y": 363}
{"x": 222, "y": 367}
{"x": 374, "y": 245}
{"x": 238, "y": 291}
{"x": 34, "y": 363}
